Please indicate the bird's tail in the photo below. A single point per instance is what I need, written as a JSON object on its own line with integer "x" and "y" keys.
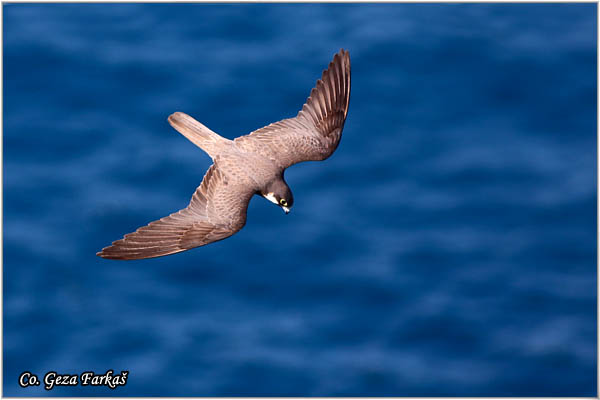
{"x": 209, "y": 141}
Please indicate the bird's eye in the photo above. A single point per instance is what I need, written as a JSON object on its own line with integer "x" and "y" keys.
{"x": 283, "y": 202}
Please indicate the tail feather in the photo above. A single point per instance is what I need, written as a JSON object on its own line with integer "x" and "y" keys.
{"x": 209, "y": 141}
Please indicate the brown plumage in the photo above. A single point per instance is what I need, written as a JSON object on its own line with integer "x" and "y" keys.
{"x": 248, "y": 165}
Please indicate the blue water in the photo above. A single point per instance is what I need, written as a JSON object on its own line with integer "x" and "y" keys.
{"x": 448, "y": 247}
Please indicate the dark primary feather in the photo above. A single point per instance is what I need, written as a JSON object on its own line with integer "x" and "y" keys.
{"x": 217, "y": 210}
{"x": 315, "y": 133}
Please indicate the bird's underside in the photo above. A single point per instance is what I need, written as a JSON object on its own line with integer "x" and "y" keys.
{"x": 243, "y": 167}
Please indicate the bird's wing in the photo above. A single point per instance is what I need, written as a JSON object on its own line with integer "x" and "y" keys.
{"x": 217, "y": 210}
{"x": 315, "y": 133}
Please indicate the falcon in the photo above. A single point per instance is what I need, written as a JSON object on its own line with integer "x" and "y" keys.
{"x": 248, "y": 165}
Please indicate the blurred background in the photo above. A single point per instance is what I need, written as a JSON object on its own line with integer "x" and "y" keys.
{"x": 447, "y": 248}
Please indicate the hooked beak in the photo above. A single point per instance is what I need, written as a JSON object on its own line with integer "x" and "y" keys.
{"x": 287, "y": 210}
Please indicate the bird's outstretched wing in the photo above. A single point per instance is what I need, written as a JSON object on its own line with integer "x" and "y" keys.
{"x": 315, "y": 133}
{"x": 217, "y": 210}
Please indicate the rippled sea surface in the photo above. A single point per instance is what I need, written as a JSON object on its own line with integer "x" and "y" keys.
{"x": 448, "y": 247}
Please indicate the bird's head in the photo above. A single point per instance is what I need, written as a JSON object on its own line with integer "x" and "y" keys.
{"x": 279, "y": 193}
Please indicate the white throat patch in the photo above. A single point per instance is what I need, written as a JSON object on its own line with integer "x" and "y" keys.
{"x": 271, "y": 198}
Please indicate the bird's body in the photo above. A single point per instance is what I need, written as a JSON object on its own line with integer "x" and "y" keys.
{"x": 248, "y": 165}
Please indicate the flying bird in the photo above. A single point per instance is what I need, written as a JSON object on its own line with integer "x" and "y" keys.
{"x": 248, "y": 165}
